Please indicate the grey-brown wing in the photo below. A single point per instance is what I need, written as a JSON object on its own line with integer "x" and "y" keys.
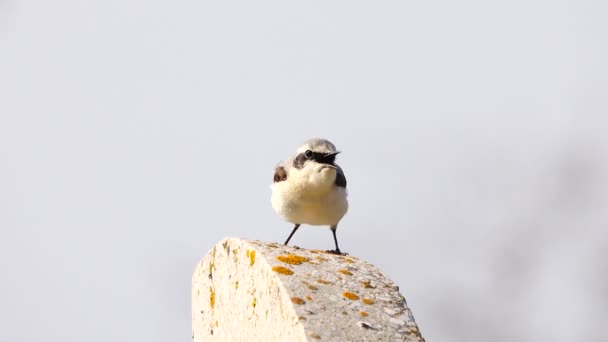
{"x": 280, "y": 174}
{"x": 340, "y": 177}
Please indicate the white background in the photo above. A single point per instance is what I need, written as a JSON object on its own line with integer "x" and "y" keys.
{"x": 136, "y": 134}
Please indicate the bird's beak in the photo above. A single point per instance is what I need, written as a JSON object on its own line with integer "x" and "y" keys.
{"x": 333, "y": 154}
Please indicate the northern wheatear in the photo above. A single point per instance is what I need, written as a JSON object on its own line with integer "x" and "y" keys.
{"x": 310, "y": 188}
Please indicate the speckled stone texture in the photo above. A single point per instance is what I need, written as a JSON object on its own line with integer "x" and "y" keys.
{"x": 258, "y": 291}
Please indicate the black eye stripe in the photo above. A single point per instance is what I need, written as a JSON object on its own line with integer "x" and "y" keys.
{"x": 319, "y": 157}
{"x": 324, "y": 158}
{"x": 298, "y": 162}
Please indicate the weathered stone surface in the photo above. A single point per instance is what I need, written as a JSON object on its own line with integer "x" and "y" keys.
{"x": 257, "y": 291}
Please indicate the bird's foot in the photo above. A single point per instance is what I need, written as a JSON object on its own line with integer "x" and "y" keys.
{"x": 336, "y": 252}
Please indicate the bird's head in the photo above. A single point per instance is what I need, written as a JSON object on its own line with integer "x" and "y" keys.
{"x": 315, "y": 160}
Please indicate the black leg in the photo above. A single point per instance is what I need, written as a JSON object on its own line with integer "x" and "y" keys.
{"x": 292, "y": 232}
{"x": 333, "y": 231}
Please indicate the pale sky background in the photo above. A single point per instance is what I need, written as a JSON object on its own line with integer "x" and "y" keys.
{"x": 136, "y": 134}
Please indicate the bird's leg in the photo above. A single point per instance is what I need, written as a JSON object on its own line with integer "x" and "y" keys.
{"x": 292, "y": 232}
{"x": 337, "y": 250}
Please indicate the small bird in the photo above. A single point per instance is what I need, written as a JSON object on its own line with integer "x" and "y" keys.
{"x": 310, "y": 188}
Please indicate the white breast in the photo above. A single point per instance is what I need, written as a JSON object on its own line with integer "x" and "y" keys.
{"x": 298, "y": 203}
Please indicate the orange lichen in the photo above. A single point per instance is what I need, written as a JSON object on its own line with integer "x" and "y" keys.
{"x": 363, "y": 313}
{"x": 254, "y": 302}
{"x": 367, "y": 285}
{"x": 367, "y": 301}
{"x": 282, "y": 270}
{"x": 251, "y": 258}
{"x": 292, "y": 259}
{"x": 297, "y": 300}
{"x": 347, "y": 272}
{"x": 313, "y": 288}
{"x": 347, "y": 260}
{"x": 350, "y": 295}
{"x": 322, "y": 281}
{"x": 308, "y": 298}
{"x": 320, "y": 258}
{"x": 413, "y": 330}
{"x": 315, "y": 336}
{"x": 211, "y": 298}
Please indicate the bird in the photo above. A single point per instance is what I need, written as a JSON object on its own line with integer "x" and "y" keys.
{"x": 310, "y": 188}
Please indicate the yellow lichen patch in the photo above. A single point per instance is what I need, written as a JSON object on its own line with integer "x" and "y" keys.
{"x": 297, "y": 300}
{"x": 350, "y": 295}
{"x": 367, "y": 285}
{"x": 211, "y": 267}
{"x": 347, "y": 260}
{"x": 211, "y": 298}
{"x": 236, "y": 284}
{"x": 367, "y": 301}
{"x": 292, "y": 259}
{"x": 414, "y": 331}
{"x": 313, "y": 288}
{"x": 217, "y": 323}
{"x": 309, "y": 298}
{"x": 347, "y": 272}
{"x": 254, "y": 302}
{"x": 282, "y": 270}
{"x": 320, "y": 258}
{"x": 363, "y": 313}
{"x": 315, "y": 336}
{"x": 251, "y": 258}
{"x": 323, "y": 281}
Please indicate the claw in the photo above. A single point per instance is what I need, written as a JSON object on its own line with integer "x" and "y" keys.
{"x": 336, "y": 252}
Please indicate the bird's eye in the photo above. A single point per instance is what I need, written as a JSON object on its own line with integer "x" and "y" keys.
{"x": 308, "y": 154}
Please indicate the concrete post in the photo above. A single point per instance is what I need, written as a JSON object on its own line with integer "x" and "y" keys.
{"x": 258, "y": 291}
